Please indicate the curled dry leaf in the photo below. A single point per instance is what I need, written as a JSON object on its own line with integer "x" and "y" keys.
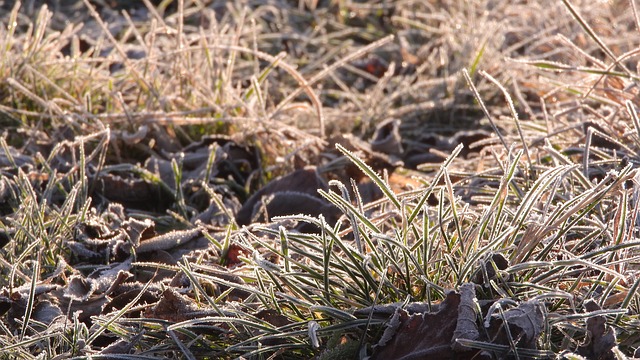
{"x": 275, "y": 319}
{"x": 168, "y": 240}
{"x": 386, "y": 138}
{"x": 132, "y": 192}
{"x": 427, "y": 335}
{"x": 136, "y": 137}
{"x": 490, "y": 269}
{"x": 466, "y": 324}
{"x": 175, "y": 307}
{"x": 419, "y": 153}
{"x": 293, "y": 203}
{"x": 524, "y": 324}
{"x": 434, "y": 334}
{"x": 231, "y": 257}
{"x": 601, "y": 338}
{"x": 14, "y": 305}
{"x": 107, "y": 237}
{"x": 289, "y": 195}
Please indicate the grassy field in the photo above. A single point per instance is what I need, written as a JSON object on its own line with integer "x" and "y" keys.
{"x": 319, "y": 179}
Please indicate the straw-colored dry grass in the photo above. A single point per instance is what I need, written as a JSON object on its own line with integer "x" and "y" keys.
{"x": 97, "y": 92}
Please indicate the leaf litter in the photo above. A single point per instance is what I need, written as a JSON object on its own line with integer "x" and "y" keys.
{"x": 220, "y": 221}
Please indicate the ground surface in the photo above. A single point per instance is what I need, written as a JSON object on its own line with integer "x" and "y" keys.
{"x": 319, "y": 179}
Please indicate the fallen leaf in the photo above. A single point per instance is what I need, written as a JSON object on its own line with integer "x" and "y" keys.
{"x": 600, "y": 339}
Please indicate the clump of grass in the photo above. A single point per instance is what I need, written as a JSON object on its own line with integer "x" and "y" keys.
{"x": 554, "y": 192}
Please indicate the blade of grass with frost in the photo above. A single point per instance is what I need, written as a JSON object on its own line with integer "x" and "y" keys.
{"x": 431, "y": 285}
{"x": 7, "y": 152}
{"x": 219, "y": 280}
{"x": 590, "y": 314}
{"x": 328, "y": 283}
{"x": 354, "y": 269}
{"x": 327, "y": 246}
{"x": 478, "y": 57}
{"x": 427, "y": 192}
{"x": 303, "y": 289}
{"x": 274, "y": 350}
{"x": 215, "y": 197}
{"x": 178, "y": 193}
{"x": 499, "y": 199}
{"x": 305, "y": 241}
{"x": 31, "y": 299}
{"x": 31, "y": 225}
{"x": 9, "y": 348}
{"x": 631, "y": 110}
{"x": 610, "y": 287}
{"x": 61, "y": 222}
{"x": 504, "y": 349}
{"x": 564, "y": 160}
{"x": 292, "y": 337}
{"x": 306, "y": 85}
{"x": 266, "y": 293}
{"x": 185, "y": 352}
{"x": 475, "y": 257}
{"x": 454, "y": 209}
{"x": 407, "y": 255}
{"x": 144, "y": 174}
{"x": 348, "y": 209}
{"x": 397, "y": 244}
{"x": 280, "y": 281}
{"x": 262, "y": 77}
{"x": 557, "y": 66}
{"x": 452, "y": 268}
{"x": 306, "y": 249}
{"x": 507, "y": 331}
{"x": 254, "y": 323}
{"x": 620, "y": 218}
{"x": 346, "y": 201}
{"x": 284, "y": 245}
{"x": 101, "y": 149}
{"x": 363, "y": 337}
{"x": 53, "y": 174}
{"x": 384, "y": 187}
{"x": 555, "y": 273}
{"x": 226, "y": 245}
{"x": 476, "y": 95}
{"x": 184, "y": 267}
{"x": 333, "y": 313}
{"x": 514, "y": 115}
{"x": 117, "y": 316}
{"x": 392, "y": 289}
{"x": 210, "y": 161}
{"x": 9, "y": 35}
{"x": 232, "y": 53}
{"x": 588, "y": 240}
{"x": 35, "y": 45}
{"x": 535, "y": 193}
{"x": 441, "y": 222}
{"x": 426, "y": 242}
{"x": 587, "y": 150}
{"x": 140, "y": 80}
{"x": 631, "y": 293}
{"x": 601, "y": 252}
{"x": 590, "y": 198}
{"x": 592, "y": 34}
{"x": 81, "y": 166}
{"x": 22, "y": 234}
